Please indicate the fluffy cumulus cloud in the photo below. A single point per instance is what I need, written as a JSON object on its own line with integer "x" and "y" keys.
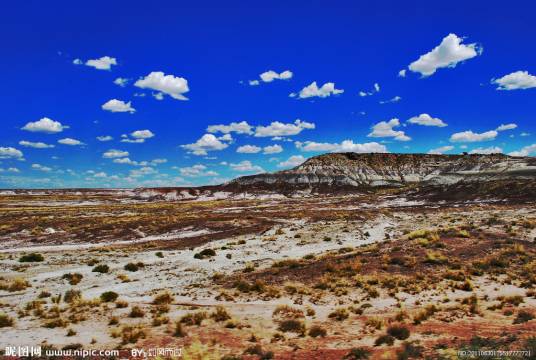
{"x": 505, "y": 127}
{"x": 237, "y": 127}
{"x": 10, "y": 153}
{"x": 173, "y": 86}
{"x": 427, "y": 120}
{"x": 41, "y": 167}
{"x": 272, "y": 149}
{"x": 385, "y": 129}
{"x": 518, "y": 80}
{"x": 344, "y": 146}
{"x": 450, "y": 52}
{"x": 113, "y": 153}
{"x": 269, "y": 76}
{"x": 35, "y": 145}
{"x": 45, "y": 125}
{"x": 11, "y": 170}
{"x": 121, "y": 81}
{"x": 206, "y": 143}
{"x": 138, "y": 136}
{"x": 248, "y": 149}
{"x": 470, "y": 136}
{"x": 70, "y": 141}
{"x": 402, "y": 73}
{"x": 312, "y": 90}
{"x": 196, "y": 171}
{"x": 488, "y": 150}
{"x": 115, "y": 105}
{"x": 292, "y": 161}
{"x": 105, "y": 138}
{"x": 441, "y": 150}
{"x": 277, "y": 128}
{"x": 103, "y": 63}
{"x": 525, "y": 151}
{"x": 246, "y": 166}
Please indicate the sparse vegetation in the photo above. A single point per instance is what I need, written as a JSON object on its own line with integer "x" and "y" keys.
{"x": 32, "y": 257}
{"x": 103, "y": 269}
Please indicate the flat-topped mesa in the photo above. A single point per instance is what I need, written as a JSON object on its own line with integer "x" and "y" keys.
{"x": 377, "y": 169}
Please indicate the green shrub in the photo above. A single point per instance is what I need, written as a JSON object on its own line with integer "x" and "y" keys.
{"x": 316, "y": 331}
{"x": 206, "y": 253}
{"x": 32, "y": 257}
{"x": 384, "y": 339}
{"x": 399, "y": 332}
{"x": 292, "y": 325}
{"x": 109, "y": 296}
{"x": 357, "y": 354}
{"x": 103, "y": 269}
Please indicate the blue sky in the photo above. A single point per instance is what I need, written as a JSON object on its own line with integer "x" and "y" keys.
{"x": 331, "y": 81}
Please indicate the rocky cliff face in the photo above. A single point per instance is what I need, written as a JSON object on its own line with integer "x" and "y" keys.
{"x": 375, "y": 170}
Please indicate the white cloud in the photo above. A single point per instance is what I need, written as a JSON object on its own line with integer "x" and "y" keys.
{"x": 402, "y": 73}
{"x": 374, "y": 90}
{"x": 489, "y": 150}
{"x": 196, "y": 171}
{"x": 392, "y": 100}
{"x": 125, "y": 160}
{"x": 105, "y": 138}
{"x": 272, "y": 149}
{"x": 112, "y": 153}
{"x": 121, "y": 81}
{"x": 269, "y": 76}
{"x": 173, "y": 86}
{"x": 248, "y": 149}
{"x": 45, "y": 125}
{"x": 101, "y": 174}
{"x": 158, "y": 96}
{"x": 35, "y": 145}
{"x": 11, "y": 169}
{"x": 441, "y": 150}
{"x": 70, "y": 141}
{"x": 470, "y": 136}
{"x": 504, "y": 127}
{"x": 104, "y": 63}
{"x": 246, "y": 166}
{"x": 450, "y": 52}
{"x": 115, "y": 105}
{"x": 313, "y": 90}
{"x": 78, "y": 62}
{"x": 158, "y": 161}
{"x": 142, "y": 134}
{"x": 385, "y": 129}
{"x": 207, "y": 142}
{"x": 292, "y": 161}
{"x": 277, "y": 128}
{"x": 254, "y": 82}
{"x": 524, "y": 134}
{"x": 41, "y": 167}
{"x": 225, "y": 137}
{"x": 240, "y": 128}
{"x": 526, "y": 151}
{"x": 10, "y": 153}
{"x": 146, "y": 170}
{"x": 344, "y": 146}
{"x": 515, "y": 81}
{"x": 427, "y": 120}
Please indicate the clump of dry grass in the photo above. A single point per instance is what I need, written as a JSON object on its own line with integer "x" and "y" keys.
{"x": 17, "y": 284}
{"x": 195, "y": 318}
{"x": 6, "y": 321}
{"x": 131, "y": 334}
{"x": 163, "y": 298}
{"x": 136, "y": 312}
{"x": 220, "y": 314}
{"x": 339, "y": 314}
